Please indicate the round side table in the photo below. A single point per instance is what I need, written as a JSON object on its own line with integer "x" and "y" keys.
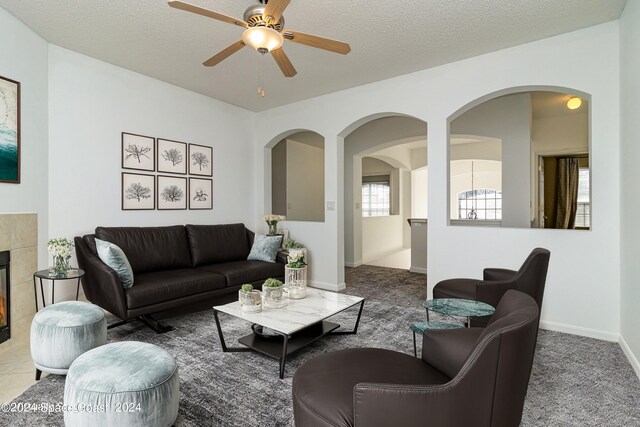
{"x": 46, "y": 275}
{"x": 459, "y": 307}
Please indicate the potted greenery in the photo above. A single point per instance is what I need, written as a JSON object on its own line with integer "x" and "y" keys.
{"x": 250, "y": 299}
{"x": 292, "y": 244}
{"x": 296, "y": 274}
{"x": 272, "y": 291}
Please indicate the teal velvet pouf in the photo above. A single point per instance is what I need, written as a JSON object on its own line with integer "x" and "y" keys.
{"x": 63, "y": 331}
{"x": 127, "y": 383}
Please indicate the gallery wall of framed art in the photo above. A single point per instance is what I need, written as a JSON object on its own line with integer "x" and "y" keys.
{"x": 179, "y": 183}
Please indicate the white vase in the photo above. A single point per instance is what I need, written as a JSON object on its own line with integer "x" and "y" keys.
{"x": 273, "y": 297}
{"x": 296, "y": 281}
{"x": 250, "y": 302}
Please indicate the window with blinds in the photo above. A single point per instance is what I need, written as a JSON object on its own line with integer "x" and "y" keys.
{"x": 376, "y": 195}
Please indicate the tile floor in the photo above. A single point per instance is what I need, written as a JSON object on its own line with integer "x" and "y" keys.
{"x": 18, "y": 372}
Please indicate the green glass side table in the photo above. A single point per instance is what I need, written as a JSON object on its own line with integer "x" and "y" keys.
{"x": 450, "y": 307}
{"x": 459, "y": 307}
{"x": 420, "y": 327}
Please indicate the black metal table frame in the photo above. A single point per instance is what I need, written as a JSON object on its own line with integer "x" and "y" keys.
{"x": 53, "y": 287}
{"x": 282, "y": 357}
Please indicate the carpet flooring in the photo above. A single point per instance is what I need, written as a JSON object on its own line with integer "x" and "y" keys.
{"x": 575, "y": 381}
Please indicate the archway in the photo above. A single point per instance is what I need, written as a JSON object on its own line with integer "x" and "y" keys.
{"x": 399, "y": 142}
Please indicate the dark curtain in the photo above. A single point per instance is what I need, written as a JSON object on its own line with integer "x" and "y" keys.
{"x": 567, "y": 191}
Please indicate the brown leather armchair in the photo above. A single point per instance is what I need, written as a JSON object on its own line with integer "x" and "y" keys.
{"x": 530, "y": 279}
{"x": 466, "y": 377}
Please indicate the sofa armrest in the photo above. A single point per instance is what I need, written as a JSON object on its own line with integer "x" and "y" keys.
{"x": 381, "y": 405}
{"x": 282, "y": 256}
{"x": 101, "y": 284}
{"x": 451, "y": 405}
{"x": 498, "y": 274}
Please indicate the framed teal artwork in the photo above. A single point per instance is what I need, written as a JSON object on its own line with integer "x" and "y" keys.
{"x": 9, "y": 131}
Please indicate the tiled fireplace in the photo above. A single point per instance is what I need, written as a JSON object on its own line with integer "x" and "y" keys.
{"x": 5, "y": 297}
{"x": 18, "y": 262}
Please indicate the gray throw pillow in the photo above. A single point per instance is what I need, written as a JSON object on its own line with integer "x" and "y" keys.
{"x": 265, "y": 248}
{"x": 115, "y": 258}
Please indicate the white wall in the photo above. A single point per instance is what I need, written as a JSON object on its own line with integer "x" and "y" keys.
{"x": 305, "y": 182}
{"x": 559, "y": 134}
{"x": 381, "y": 235}
{"x": 630, "y": 177}
{"x": 582, "y": 293}
{"x": 279, "y": 178}
{"x": 92, "y": 102}
{"x": 24, "y": 59}
{"x": 419, "y": 185}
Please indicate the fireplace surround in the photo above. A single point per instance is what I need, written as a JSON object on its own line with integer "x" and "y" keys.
{"x": 5, "y": 297}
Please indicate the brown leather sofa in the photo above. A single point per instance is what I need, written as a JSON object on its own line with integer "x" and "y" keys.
{"x": 191, "y": 266}
{"x": 466, "y": 377}
{"x": 530, "y": 279}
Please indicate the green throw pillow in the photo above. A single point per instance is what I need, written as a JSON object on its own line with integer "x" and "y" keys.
{"x": 115, "y": 258}
{"x": 265, "y": 248}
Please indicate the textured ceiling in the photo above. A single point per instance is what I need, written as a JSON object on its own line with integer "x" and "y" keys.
{"x": 388, "y": 38}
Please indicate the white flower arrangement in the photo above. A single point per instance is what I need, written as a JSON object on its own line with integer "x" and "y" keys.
{"x": 271, "y": 218}
{"x": 295, "y": 259}
{"x": 272, "y": 222}
{"x": 60, "y": 247}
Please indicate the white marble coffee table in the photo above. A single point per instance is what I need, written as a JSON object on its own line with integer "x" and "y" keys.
{"x": 296, "y": 325}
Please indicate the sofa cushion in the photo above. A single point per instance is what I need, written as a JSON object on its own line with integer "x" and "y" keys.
{"x": 150, "y": 248}
{"x": 161, "y": 286}
{"x": 240, "y": 272}
{"x": 115, "y": 258}
{"x": 212, "y": 244}
{"x": 265, "y": 248}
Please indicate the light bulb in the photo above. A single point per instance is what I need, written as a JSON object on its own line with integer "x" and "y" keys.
{"x": 574, "y": 103}
{"x": 262, "y": 38}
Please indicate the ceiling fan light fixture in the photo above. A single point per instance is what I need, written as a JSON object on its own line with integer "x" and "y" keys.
{"x": 574, "y": 103}
{"x": 262, "y": 38}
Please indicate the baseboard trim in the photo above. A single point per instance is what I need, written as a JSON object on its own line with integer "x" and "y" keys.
{"x": 328, "y": 286}
{"x": 577, "y": 330}
{"x": 418, "y": 270}
{"x": 630, "y": 356}
{"x": 353, "y": 264}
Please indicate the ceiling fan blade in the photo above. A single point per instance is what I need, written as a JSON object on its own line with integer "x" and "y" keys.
{"x": 316, "y": 41}
{"x": 224, "y": 54}
{"x": 283, "y": 62}
{"x": 206, "y": 12}
{"x": 275, "y": 8}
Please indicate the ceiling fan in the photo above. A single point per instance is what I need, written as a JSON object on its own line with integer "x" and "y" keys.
{"x": 264, "y": 31}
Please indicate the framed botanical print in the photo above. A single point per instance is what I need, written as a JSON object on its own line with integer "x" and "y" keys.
{"x": 138, "y": 152}
{"x": 9, "y": 131}
{"x": 200, "y": 160}
{"x": 200, "y": 193}
{"x": 172, "y": 193}
{"x": 138, "y": 191}
{"x": 172, "y": 156}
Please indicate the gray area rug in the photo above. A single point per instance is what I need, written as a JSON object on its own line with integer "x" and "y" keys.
{"x": 575, "y": 381}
